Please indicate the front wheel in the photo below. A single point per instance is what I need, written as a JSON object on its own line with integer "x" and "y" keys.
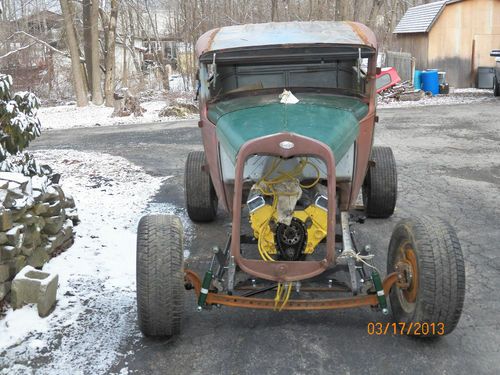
{"x": 160, "y": 278}
{"x": 431, "y": 295}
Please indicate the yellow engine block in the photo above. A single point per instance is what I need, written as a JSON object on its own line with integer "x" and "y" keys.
{"x": 313, "y": 217}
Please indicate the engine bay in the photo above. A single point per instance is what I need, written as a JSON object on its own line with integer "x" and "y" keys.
{"x": 287, "y": 212}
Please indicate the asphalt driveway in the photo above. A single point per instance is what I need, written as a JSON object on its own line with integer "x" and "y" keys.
{"x": 449, "y": 165}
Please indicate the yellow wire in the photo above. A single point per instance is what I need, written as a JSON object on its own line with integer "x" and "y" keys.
{"x": 287, "y": 297}
{"x": 287, "y": 175}
{"x": 263, "y": 253}
{"x": 278, "y": 296}
{"x": 269, "y": 191}
{"x": 318, "y": 177}
{"x": 283, "y": 290}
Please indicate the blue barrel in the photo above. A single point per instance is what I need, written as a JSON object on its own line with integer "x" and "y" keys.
{"x": 417, "y": 83}
{"x": 430, "y": 81}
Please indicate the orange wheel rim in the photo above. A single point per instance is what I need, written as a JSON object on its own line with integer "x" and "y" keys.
{"x": 407, "y": 256}
{"x": 411, "y": 292}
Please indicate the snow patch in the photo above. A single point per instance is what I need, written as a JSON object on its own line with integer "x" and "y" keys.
{"x": 95, "y": 310}
{"x": 459, "y": 96}
{"x": 71, "y": 116}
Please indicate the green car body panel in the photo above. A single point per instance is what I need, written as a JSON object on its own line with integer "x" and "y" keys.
{"x": 333, "y": 120}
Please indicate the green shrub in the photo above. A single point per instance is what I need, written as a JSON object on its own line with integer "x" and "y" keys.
{"x": 19, "y": 125}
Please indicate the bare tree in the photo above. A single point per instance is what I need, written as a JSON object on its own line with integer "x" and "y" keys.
{"x": 95, "y": 61}
{"x": 76, "y": 66}
{"x": 87, "y": 45}
{"x": 110, "y": 30}
{"x": 136, "y": 26}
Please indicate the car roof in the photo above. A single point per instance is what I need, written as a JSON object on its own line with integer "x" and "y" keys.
{"x": 285, "y": 33}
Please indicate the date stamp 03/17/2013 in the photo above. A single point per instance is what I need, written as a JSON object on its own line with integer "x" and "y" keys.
{"x": 402, "y": 328}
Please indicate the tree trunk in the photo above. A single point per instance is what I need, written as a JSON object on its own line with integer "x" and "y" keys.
{"x": 374, "y": 11}
{"x": 109, "y": 79}
{"x": 274, "y": 10}
{"x": 356, "y": 11}
{"x": 95, "y": 60}
{"x": 133, "y": 53}
{"x": 87, "y": 46}
{"x": 76, "y": 67}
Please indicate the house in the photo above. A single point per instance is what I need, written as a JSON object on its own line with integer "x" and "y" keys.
{"x": 455, "y": 36}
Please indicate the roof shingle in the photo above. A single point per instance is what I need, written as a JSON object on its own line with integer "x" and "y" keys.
{"x": 420, "y": 19}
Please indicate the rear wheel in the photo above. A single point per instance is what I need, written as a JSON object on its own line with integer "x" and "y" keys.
{"x": 496, "y": 87}
{"x": 380, "y": 187}
{"x": 201, "y": 199}
{"x": 431, "y": 295}
{"x": 160, "y": 278}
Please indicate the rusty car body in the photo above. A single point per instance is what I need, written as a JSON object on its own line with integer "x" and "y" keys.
{"x": 287, "y": 116}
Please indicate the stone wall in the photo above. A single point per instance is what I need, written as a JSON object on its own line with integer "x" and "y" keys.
{"x": 36, "y": 223}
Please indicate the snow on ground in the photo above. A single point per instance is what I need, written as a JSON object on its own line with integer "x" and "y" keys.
{"x": 96, "y": 295}
{"x": 71, "y": 116}
{"x": 459, "y": 96}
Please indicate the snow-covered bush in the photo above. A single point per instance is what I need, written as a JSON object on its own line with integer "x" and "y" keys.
{"x": 19, "y": 125}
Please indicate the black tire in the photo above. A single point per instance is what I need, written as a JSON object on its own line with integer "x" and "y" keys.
{"x": 496, "y": 87}
{"x": 160, "y": 277}
{"x": 201, "y": 199}
{"x": 380, "y": 187}
{"x": 436, "y": 293}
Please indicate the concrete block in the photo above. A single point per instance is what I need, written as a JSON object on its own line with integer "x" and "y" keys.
{"x": 6, "y": 199}
{"x": 37, "y": 195}
{"x": 41, "y": 208}
{"x": 48, "y": 247}
{"x": 38, "y": 258}
{"x": 50, "y": 194}
{"x": 8, "y": 253}
{"x": 4, "y": 272}
{"x": 15, "y": 191}
{"x": 25, "y": 202}
{"x": 28, "y": 218}
{"x": 18, "y": 179}
{"x": 69, "y": 202}
{"x": 3, "y": 238}
{"x": 54, "y": 242}
{"x": 53, "y": 209}
{"x": 4, "y": 289}
{"x": 27, "y": 250}
{"x": 15, "y": 235}
{"x": 68, "y": 229}
{"x": 33, "y": 286}
{"x": 72, "y": 214}
{"x": 18, "y": 212}
{"x": 60, "y": 192}
{"x": 16, "y": 264}
{"x": 54, "y": 224}
{"x": 32, "y": 236}
{"x": 5, "y": 219}
{"x": 67, "y": 237}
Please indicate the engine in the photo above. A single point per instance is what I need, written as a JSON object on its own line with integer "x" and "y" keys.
{"x": 283, "y": 231}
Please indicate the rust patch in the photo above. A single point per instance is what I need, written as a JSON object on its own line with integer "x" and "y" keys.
{"x": 211, "y": 39}
{"x": 193, "y": 280}
{"x": 355, "y": 27}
